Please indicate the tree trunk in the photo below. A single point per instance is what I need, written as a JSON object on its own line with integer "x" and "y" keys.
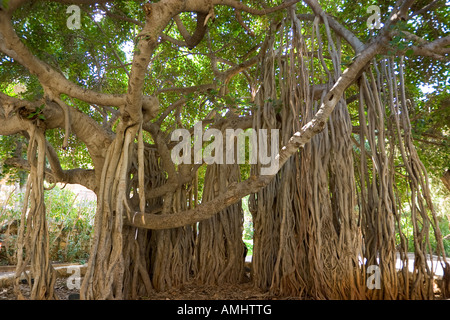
{"x": 33, "y": 239}
{"x": 446, "y": 179}
{"x": 220, "y": 250}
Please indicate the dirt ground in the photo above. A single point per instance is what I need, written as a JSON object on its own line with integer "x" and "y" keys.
{"x": 244, "y": 291}
{"x": 190, "y": 291}
{"x": 62, "y": 292}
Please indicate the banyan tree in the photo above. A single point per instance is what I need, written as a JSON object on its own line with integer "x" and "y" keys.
{"x": 179, "y": 109}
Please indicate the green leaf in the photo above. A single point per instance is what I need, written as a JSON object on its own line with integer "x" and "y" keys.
{"x": 4, "y": 4}
{"x": 409, "y": 52}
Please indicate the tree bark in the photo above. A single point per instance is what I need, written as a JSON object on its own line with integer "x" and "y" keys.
{"x": 446, "y": 179}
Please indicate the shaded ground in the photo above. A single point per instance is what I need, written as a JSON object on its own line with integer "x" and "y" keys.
{"x": 244, "y": 291}
{"x": 190, "y": 291}
{"x": 7, "y": 293}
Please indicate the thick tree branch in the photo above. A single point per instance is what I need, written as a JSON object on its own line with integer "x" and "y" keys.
{"x": 436, "y": 49}
{"x": 235, "y": 192}
{"x": 158, "y": 16}
{"x": 84, "y": 177}
{"x": 193, "y": 40}
{"x": 46, "y": 74}
{"x": 429, "y": 6}
{"x": 15, "y": 116}
{"x": 258, "y": 12}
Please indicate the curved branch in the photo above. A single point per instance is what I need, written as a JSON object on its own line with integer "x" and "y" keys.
{"x": 239, "y": 19}
{"x": 235, "y": 192}
{"x": 48, "y": 77}
{"x": 15, "y": 119}
{"x": 203, "y": 211}
{"x": 258, "y": 12}
{"x": 199, "y": 33}
{"x": 46, "y": 74}
{"x": 437, "y": 46}
{"x": 435, "y": 49}
{"x": 428, "y": 7}
{"x": 84, "y": 177}
{"x": 158, "y": 16}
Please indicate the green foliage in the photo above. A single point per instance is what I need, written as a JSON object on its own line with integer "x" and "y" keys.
{"x": 408, "y": 230}
{"x": 70, "y": 223}
{"x": 9, "y": 148}
{"x": 88, "y": 57}
{"x": 37, "y": 114}
{"x": 247, "y": 235}
{"x": 76, "y": 155}
{"x": 431, "y": 129}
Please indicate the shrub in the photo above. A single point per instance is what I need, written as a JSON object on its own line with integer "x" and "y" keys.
{"x": 70, "y": 223}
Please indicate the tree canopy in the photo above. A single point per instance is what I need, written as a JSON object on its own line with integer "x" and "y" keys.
{"x": 363, "y": 115}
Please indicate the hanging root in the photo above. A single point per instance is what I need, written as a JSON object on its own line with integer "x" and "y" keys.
{"x": 65, "y": 108}
{"x": 104, "y": 275}
{"x": 381, "y": 204}
{"x": 219, "y": 247}
{"x": 309, "y": 239}
{"x": 33, "y": 238}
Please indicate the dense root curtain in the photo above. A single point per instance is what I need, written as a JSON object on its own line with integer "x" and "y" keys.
{"x": 388, "y": 161}
{"x": 332, "y": 217}
{"x": 306, "y": 236}
{"x": 33, "y": 237}
{"x": 220, "y": 251}
{"x": 104, "y": 275}
{"x": 127, "y": 262}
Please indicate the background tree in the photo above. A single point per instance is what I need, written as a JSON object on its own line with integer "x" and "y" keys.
{"x": 344, "y": 98}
